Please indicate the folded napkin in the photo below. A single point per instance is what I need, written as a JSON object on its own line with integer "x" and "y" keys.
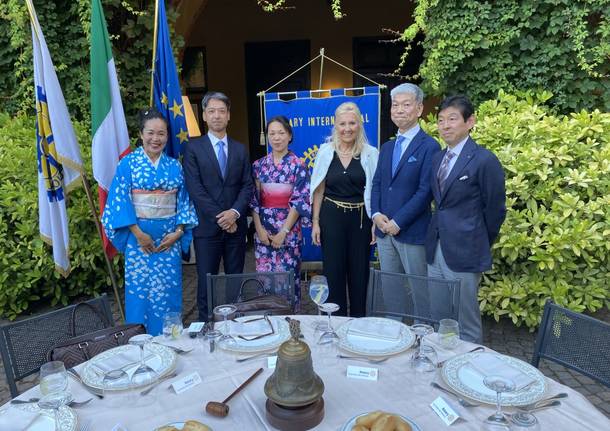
{"x": 16, "y": 419}
{"x": 248, "y": 328}
{"x": 127, "y": 359}
{"x": 489, "y": 364}
{"x": 380, "y": 329}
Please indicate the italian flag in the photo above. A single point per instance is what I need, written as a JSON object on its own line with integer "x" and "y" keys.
{"x": 108, "y": 126}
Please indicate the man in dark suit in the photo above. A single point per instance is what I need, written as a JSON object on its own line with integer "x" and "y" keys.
{"x": 401, "y": 196}
{"x": 470, "y": 200}
{"x": 218, "y": 179}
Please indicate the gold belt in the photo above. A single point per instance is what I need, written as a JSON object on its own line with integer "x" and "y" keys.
{"x": 348, "y": 206}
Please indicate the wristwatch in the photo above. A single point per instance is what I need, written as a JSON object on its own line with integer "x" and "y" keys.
{"x": 285, "y": 230}
{"x": 180, "y": 229}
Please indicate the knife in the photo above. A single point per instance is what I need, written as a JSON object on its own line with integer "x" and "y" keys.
{"x": 72, "y": 372}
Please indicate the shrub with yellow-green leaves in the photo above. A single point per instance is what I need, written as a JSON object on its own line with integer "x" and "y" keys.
{"x": 27, "y": 271}
{"x": 555, "y": 242}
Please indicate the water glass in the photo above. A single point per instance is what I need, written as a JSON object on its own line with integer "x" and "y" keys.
{"x": 172, "y": 325}
{"x": 53, "y": 378}
{"x": 448, "y": 333}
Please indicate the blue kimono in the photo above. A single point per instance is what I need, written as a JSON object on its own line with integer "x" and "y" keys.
{"x": 154, "y": 198}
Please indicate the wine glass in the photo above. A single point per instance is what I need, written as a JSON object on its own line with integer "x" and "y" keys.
{"x": 318, "y": 292}
{"x": 53, "y": 401}
{"x": 224, "y": 310}
{"x": 144, "y": 374}
{"x": 53, "y": 378}
{"x": 498, "y": 384}
{"x": 421, "y": 361}
{"x": 524, "y": 421}
{"x": 329, "y": 335}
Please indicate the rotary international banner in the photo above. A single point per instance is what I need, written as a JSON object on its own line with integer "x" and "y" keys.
{"x": 312, "y": 119}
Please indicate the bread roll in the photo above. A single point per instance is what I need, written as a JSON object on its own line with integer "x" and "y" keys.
{"x": 359, "y": 428}
{"x": 195, "y": 426}
{"x": 385, "y": 422}
{"x": 170, "y": 428}
{"x": 368, "y": 420}
{"x": 402, "y": 425}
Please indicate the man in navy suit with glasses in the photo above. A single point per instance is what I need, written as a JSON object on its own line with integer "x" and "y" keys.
{"x": 470, "y": 207}
{"x": 219, "y": 181}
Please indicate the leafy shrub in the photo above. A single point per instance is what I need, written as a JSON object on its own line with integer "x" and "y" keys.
{"x": 555, "y": 241}
{"x": 26, "y": 263}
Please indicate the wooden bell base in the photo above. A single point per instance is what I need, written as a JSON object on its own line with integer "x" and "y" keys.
{"x": 295, "y": 419}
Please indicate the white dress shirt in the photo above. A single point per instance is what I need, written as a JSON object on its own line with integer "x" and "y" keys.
{"x": 456, "y": 150}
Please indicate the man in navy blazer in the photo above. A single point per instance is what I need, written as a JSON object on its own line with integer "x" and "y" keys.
{"x": 401, "y": 196}
{"x": 219, "y": 181}
{"x": 470, "y": 200}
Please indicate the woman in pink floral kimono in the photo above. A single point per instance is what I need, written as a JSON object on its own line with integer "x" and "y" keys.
{"x": 280, "y": 204}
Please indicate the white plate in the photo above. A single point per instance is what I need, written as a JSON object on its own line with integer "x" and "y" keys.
{"x": 282, "y": 333}
{"x": 373, "y": 346}
{"x": 46, "y": 421}
{"x": 350, "y": 423}
{"x": 163, "y": 361}
{"x": 463, "y": 379}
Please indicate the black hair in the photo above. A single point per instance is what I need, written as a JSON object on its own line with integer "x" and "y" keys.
{"x": 217, "y": 95}
{"x": 461, "y": 102}
{"x": 284, "y": 122}
{"x": 150, "y": 114}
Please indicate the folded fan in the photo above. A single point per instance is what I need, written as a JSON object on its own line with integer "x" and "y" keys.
{"x": 128, "y": 358}
{"x": 380, "y": 329}
{"x": 16, "y": 419}
{"x": 489, "y": 364}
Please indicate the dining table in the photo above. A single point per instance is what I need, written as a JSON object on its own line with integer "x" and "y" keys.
{"x": 398, "y": 389}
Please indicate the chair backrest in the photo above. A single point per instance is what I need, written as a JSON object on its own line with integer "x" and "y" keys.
{"x": 575, "y": 341}
{"x": 25, "y": 343}
{"x": 412, "y": 297}
{"x": 233, "y": 288}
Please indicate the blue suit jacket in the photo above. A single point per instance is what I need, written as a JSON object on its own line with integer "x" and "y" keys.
{"x": 405, "y": 197}
{"x": 469, "y": 212}
{"x": 212, "y": 194}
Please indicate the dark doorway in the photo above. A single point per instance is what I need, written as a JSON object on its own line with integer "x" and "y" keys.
{"x": 374, "y": 58}
{"x": 266, "y": 64}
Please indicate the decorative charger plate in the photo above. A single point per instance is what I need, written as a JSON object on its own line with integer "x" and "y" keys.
{"x": 463, "y": 379}
{"x": 369, "y": 346}
{"x": 269, "y": 342}
{"x": 352, "y": 422}
{"x": 46, "y": 420}
{"x": 163, "y": 361}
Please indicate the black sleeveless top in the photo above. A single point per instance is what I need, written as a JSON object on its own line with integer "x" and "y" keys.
{"x": 346, "y": 185}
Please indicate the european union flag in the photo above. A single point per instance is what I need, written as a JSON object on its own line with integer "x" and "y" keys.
{"x": 167, "y": 96}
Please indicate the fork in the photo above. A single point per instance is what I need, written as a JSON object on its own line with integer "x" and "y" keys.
{"x": 258, "y": 355}
{"x": 178, "y": 350}
{"x": 363, "y": 358}
{"x": 74, "y": 404}
{"x": 476, "y": 349}
{"x": 462, "y": 401}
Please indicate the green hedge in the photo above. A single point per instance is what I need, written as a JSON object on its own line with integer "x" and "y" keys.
{"x": 555, "y": 241}
{"x": 27, "y": 270}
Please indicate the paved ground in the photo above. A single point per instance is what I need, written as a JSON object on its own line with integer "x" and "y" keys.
{"x": 501, "y": 336}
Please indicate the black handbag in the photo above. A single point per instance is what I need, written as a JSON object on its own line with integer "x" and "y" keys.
{"x": 77, "y": 350}
{"x": 261, "y": 303}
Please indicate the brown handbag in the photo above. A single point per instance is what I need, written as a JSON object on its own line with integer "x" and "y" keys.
{"x": 259, "y": 304}
{"x": 77, "y": 350}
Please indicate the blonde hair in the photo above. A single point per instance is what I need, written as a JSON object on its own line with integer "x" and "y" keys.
{"x": 361, "y": 139}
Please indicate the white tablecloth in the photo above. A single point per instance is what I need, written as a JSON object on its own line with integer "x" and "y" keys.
{"x": 399, "y": 390}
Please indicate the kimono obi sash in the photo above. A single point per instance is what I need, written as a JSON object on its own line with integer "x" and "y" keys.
{"x": 274, "y": 195}
{"x": 154, "y": 203}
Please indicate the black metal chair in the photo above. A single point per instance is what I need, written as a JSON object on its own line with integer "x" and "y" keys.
{"x": 412, "y": 297}
{"x": 574, "y": 340}
{"x": 234, "y": 288}
{"x": 25, "y": 343}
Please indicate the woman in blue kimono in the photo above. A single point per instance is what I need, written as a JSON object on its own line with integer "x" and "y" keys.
{"x": 149, "y": 217}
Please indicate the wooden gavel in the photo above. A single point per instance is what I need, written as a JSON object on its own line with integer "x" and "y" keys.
{"x": 215, "y": 408}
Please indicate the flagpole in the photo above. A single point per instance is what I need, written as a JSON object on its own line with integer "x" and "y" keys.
{"x": 154, "y": 56}
{"x": 98, "y": 225}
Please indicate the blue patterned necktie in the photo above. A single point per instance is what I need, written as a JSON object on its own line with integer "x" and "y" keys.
{"x": 443, "y": 171}
{"x": 396, "y": 155}
{"x": 222, "y": 158}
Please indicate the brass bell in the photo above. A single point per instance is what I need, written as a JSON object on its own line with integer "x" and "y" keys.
{"x": 294, "y": 390}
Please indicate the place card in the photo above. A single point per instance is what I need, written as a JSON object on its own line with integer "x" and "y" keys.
{"x": 271, "y": 361}
{"x": 186, "y": 382}
{"x": 444, "y": 411}
{"x": 364, "y": 373}
{"x": 196, "y": 327}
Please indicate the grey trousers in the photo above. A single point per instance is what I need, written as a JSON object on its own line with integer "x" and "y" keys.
{"x": 470, "y": 314}
{"x": 403, "y": 258}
